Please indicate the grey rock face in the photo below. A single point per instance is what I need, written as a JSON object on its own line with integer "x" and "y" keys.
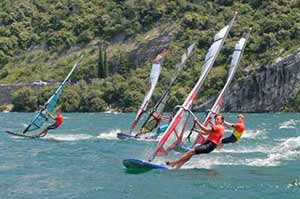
{"x": 153, "y": 46}
{"x": 265, "y": 89}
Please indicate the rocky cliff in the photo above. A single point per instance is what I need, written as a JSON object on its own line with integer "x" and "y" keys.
{"x": 266, "y": 88}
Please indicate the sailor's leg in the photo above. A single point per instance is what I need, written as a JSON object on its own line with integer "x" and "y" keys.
{"x": 230, "y": 139}
{"x": 207, "y": 147}
{"x": 185, "y": 158}
{"x": 182, "y": 160}
{"x": 43, "y": 133}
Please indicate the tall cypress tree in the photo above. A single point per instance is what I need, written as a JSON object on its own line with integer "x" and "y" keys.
{"x": 105, "y": 64}
{"x": 100, "y": 61}
{"x": 103, "y": 67}
{"x": 122, "y": 64}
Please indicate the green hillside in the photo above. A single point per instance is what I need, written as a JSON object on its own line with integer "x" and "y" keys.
{"x": 41, "y": 40}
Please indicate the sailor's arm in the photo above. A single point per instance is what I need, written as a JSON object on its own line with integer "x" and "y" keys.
{"x": 202, "y": 127}
{"x": 51, "y": 116}
{"x": 200, "y": 131}
{"x": 227, "y": 124}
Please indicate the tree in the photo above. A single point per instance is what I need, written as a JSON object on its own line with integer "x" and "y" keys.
{"x": 105, "y": 64}
{"x": 122, "y": 64}
{"x": 24, "y": 99}
{"x": 103, "y": 68}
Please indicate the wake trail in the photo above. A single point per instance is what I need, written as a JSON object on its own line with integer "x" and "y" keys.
{"x": 68, "y": 137}
{"x": 274, "y": 155}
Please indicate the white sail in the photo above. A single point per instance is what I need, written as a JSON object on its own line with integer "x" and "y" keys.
{"x": 154, "y": 75}
{"x": 152, "y": 122}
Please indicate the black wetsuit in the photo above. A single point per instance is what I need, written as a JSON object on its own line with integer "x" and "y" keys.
{"x": 230, "y": 139}
{"x": 207, "y": 147}
{"x": 52, "y": 126}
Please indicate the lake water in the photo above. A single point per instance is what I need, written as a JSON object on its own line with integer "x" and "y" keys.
{"x": 83, "y": 159}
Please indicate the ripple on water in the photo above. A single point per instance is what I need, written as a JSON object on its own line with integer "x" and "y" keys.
{"x": 294, "y": 184}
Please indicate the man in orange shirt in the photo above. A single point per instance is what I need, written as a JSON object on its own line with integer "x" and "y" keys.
{"x": 238, "y": 129}
{"x": 215, "y": 134}
{"x": 58, "y": 121}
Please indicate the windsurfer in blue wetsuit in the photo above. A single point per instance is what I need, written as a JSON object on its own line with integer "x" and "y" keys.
{"x": 160, "y": 129}
{"x": 151, "y": 124}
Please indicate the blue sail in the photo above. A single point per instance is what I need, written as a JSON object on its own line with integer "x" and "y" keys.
{"x": 48, "y": 108}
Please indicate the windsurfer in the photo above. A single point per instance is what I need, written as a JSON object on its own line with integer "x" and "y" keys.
{"x": 215, "y": 133}
{"x": 162, "y": 128}
{"x": 58, "y": 120}
{"x": 238, "y": 129}
{"x": 159, "y": 116}
{"x": 159, "y": 131}
{"x": 153, "y": 123}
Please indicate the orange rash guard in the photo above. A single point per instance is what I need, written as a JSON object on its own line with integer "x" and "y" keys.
{"x": 59, "y": 119}
{"x": 216, "y": 134}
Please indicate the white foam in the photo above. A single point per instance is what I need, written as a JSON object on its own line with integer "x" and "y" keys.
{"x": 257, "y": 149}
{"x": 295, "y": 183}
{"x": 288, "y": 149}
{"x": 274, "y": 159}
{"x": 201, "y": 163}
{"x": 69, "y": 137}
{"x": 112, "y": 135}
{"x": 290, "y": 124}
{"x": 259, "y": 162}
{"x": 254, "y": 134}
{"x": 292, "y": 143}
{"x": 112, "y": 112}
{"x": 208, "y": 162}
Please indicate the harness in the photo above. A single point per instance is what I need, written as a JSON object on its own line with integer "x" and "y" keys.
{"x": 237, "y": 134}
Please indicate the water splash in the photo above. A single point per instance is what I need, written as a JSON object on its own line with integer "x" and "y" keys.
{"x": 254, "y": 134}
{"x": 288, "y": 149}
{"x": 113, "y": 112}
{"x": 290, "y": 124}
{"x": 111, "y": 135}
{"x": 294, "y": 184}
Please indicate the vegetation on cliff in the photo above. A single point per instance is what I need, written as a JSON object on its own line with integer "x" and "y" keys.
{"x": 39, "y": 40}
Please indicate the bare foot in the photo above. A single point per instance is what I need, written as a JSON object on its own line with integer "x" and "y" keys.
{"x": 42, "y": 134}
{"x": 171, "y": 164}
